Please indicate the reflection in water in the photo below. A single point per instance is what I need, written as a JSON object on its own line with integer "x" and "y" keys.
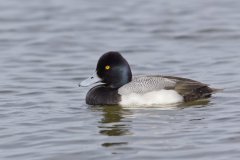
{"x": 113, "y": 123}
{"x": 114, "y": 144}
{"x": 197, "y": 103}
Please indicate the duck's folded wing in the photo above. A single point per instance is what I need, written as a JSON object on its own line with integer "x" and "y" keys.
{"x": 144, "y": 84}
{"x": 184, "y": 85}
{"x": 190, "y": 89}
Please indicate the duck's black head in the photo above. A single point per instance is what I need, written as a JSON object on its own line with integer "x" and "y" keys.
{"x": 112, "y": 70}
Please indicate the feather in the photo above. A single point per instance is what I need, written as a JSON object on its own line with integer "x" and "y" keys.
{"x": 144, "y": 84}
{"x": 188, "y": 88}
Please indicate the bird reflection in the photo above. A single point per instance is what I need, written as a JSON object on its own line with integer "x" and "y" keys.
{"x": 199, "y": 103}
{"x": 115, "y": 120}
{"x": 114, "y": 123}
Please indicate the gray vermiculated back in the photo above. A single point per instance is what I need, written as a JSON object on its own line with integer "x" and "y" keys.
{"x": 144, "y": 84}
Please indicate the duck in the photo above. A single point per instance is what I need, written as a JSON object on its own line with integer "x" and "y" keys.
{"x": 115, "y": 85}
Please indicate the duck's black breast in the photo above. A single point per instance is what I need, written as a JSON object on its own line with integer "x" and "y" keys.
{"x": 102, "y": 95}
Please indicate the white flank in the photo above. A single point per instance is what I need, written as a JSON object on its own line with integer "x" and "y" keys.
{"x": 151, "y": 98}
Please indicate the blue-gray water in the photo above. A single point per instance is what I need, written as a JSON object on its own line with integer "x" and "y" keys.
{"x": 48, "y": 46}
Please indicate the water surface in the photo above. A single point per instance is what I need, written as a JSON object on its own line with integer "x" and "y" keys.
{"x": 49, "y": 46}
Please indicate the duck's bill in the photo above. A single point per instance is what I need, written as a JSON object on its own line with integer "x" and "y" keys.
{"x": 91, "y": 80}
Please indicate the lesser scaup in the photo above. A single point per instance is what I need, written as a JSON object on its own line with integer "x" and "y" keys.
{"x": 118, "y": 86}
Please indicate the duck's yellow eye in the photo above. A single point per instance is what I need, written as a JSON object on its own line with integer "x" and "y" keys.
{"x": 107, "y": 67}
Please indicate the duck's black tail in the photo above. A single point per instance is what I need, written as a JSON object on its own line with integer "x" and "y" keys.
{"x": 200, "y": 93}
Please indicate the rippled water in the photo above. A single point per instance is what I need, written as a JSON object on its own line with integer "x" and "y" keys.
{"x": 49, "y": 46}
